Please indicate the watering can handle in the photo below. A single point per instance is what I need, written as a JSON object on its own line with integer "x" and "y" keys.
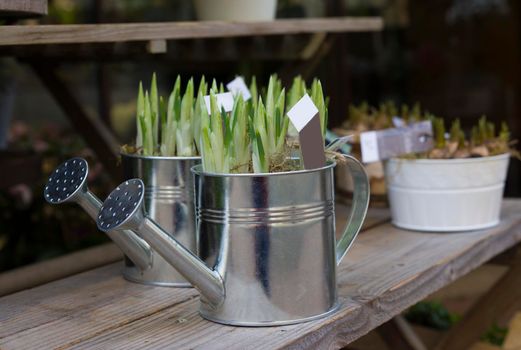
{"x": 356, "y": 218}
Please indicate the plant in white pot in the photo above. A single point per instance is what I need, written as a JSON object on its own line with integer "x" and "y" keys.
{"x": 457, "y": 186}
{"x": 235, "y": 10}
{"x": 362, "y": 118}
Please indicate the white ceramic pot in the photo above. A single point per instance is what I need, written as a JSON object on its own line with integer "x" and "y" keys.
{"x": 235, "y": 10}
{"x": 446, "y": 195}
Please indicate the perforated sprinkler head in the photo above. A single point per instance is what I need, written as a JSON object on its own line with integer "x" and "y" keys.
{"x": 66, "y": 181}
{"x": 123, "y": 207}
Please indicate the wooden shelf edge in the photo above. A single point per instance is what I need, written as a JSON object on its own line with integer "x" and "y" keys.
{"x": 23, "y": 8}
{"x": 123, "y": 32}
{"x": 50, "y": 270}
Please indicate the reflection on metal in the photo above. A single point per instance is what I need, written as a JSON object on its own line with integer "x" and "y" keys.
{"x": 267, "y": 241}
{"x": 169, "y": 201}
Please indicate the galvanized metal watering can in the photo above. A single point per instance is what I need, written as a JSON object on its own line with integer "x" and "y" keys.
{"x": 268, "y": 253}
{"x": 68, "y": 183}
{"x": 169, "y": 201}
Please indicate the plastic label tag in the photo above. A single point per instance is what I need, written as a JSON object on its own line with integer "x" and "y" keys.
{"x": 369, "y": 146}
{"x": 305, "y": 118}
{"x": 339, "y": 144}
{"x": 388, "y": 143}
{"x": 238, "y": 86}
{"x": 224, "y": 100}
{"x": 399, "y": 122}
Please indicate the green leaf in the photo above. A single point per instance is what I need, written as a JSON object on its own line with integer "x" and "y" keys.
{"x": 154, "y": 108}
{"x": 140, "y": 112}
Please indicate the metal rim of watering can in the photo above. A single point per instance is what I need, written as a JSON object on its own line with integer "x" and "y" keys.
{"x": 329, "y": 312}
{"x": 141, "y": 156}
{"x": 197, "y": 169}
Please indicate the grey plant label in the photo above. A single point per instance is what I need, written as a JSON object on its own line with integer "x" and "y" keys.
{"x": 238, "y": 87}
{"x": 224, "y": 101}
{"x": 388, "y": 143}
{"x": 305, "y": 118}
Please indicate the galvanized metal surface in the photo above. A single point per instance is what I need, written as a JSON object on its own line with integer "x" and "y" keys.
{"x": 169, "y": 201}
{"x": 272, "y": 239}
{"x": 124, "y": 209}
{"x": 267, "y": 242}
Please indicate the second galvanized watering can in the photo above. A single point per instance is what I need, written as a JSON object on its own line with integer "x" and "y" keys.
{"x": 267, "y": 247}
{"x": 168, "y": 201}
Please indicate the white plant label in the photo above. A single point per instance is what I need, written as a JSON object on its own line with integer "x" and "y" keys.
{"x": 305, "y": 118}
{"x": 369, "y": 146}
{"x": 224, "y": 100}
{"x": 238, "y": 86}
{"x": 302, "y": 112}
{"x": 388, "y": 143}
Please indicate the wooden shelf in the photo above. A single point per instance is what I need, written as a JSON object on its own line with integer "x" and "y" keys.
{"x": 386, "y": 271}
{"x": 22, "y": 8}
{"x": 113, "y": 33}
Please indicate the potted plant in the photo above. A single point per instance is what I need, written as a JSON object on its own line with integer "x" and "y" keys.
{"x": 265, "y": 224}
{"x": 166, "y": 147}
{"x": 235, "y": 10}
{"x": 457, "y": 186}
{"x": 364, "y": 117}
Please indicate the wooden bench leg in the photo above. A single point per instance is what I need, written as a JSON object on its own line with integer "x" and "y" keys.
{"x": 504, "y": 297}
{"x": 398, "y": 334}
{"x": 96, "y": 134}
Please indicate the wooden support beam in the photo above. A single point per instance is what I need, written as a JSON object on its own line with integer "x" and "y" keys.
{"x": 503, "y": 298}
{"x": 104, "y": 93}
{"x": 97, "y": 136}
{"x": 398, "y": 334}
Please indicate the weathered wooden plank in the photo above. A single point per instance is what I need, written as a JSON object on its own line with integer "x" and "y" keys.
{"x": 387, "y": 270}
{"x": 122, "y": 32}
{"x": 23, "y": 8}
{"x": 503, "y": 298}
{"x": 513, "y": 339}
{"x": 60, "y": 267}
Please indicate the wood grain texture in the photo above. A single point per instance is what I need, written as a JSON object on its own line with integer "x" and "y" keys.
{"x": 50, "y": 270}
{"x": 23, "y": 8}
{"x": 103, "y": 33}
{"x": 504, "y": 298}
{"x": 513, "y": 338}
{"x": 386, "y": 271}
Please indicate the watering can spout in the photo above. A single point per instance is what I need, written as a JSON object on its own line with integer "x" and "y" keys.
{"x": 68, "y": 183}
{"x": 123, "y": 209}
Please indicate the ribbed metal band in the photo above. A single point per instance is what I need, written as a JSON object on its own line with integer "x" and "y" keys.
{"x": 166, "y": 192}
{"x": 267, "y": 215}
